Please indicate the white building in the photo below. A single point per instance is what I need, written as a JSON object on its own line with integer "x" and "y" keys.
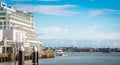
{"x": 16, "y": 28}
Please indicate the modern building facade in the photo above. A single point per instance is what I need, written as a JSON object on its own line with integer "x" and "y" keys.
{"x": 16, "y": 29}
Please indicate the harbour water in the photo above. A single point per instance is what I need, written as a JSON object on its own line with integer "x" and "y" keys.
{"x": 80, "y": 58}
{"x": 84, "y": 58}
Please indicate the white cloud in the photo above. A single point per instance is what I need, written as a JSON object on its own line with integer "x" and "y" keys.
{"x": 95, "y": 12}
{"x": 48, "y": 0}
{"x": 36, "y": 0}
{"x": 115, "y": 35}
{"x": 93, "y": 27}
{"x": 55, "y": 32}
{"x": 116, "y": 44}
{"x": 20, "y": 0}
{"x": 48, "y": 9}
{"x": 53, "y": 29}
{"x": 103, "y": 11}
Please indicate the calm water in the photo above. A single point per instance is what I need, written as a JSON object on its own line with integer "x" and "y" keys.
{"x": 84, "y": 58}
{"x": 81, "y": 58}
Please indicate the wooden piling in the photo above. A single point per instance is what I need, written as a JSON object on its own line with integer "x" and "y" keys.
{"x": 21, "y": 56}
{"x": 34, "y": 56}
{"x": 37, "y": 58}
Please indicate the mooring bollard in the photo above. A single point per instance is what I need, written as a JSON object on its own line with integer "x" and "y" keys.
{"x": 34, "y": 56}
{"x": 21, "y": 56}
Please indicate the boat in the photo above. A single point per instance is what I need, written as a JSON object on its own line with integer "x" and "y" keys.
{"x": 59, "y": 52}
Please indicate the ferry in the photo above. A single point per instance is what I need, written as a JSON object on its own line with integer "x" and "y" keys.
{"x": 59, "y": 52}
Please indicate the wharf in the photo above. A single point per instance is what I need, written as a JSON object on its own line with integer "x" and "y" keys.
{"x": 9, "y": 57}
{"x": 28, "y": 62}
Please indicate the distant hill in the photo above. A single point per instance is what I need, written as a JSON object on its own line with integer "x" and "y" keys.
{"x": 80, "y": 43}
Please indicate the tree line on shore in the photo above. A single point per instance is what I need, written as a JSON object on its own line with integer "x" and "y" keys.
{"x": 84, "y": 49}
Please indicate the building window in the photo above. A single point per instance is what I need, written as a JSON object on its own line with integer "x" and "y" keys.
{"x": 4, "y": 23}
{"x": 1, "y": 18}
{"x": 2, "y": 13}
{"x": 1, "y": 9}
{"x": 0, "y": 23}
{"x": 0, "y": 27}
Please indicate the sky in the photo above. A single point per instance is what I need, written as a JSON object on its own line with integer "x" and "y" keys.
{"x": 73, "y": 19}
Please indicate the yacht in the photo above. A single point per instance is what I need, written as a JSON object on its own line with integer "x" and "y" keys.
{"x": 59, "y": 52}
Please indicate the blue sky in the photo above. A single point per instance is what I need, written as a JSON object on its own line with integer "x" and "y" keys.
{"x": 73, "y": 19}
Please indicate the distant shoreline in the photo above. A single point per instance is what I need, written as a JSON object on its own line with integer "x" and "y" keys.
{"x": 85, "y": 49}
